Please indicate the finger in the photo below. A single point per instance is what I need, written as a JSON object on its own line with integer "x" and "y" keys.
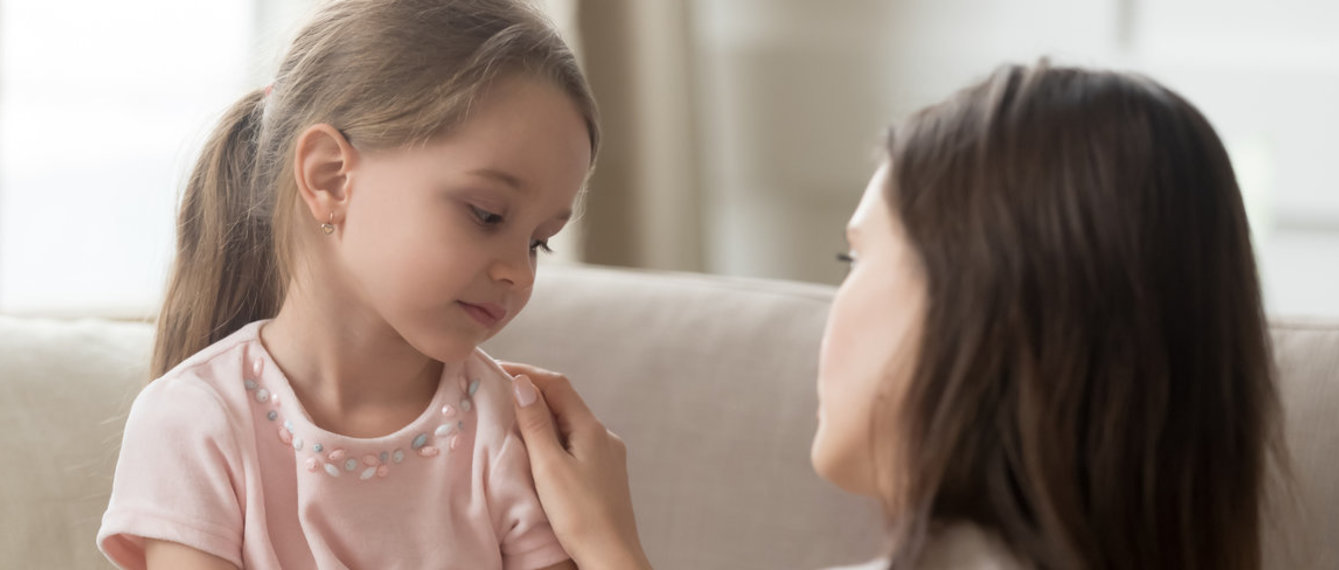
{"x": 567, "y": 406}
{"x": 534, "y": 421}
{"x": 521, "y": 368}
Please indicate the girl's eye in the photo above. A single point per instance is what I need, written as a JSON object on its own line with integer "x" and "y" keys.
{"x": 846, "y": 258}
{"x": 485, "y": 217}
{"x": 538, "y": 246}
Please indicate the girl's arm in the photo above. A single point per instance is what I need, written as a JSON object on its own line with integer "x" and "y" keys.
{"x": 161, "y": 554}
{"x": 581, "y": 472}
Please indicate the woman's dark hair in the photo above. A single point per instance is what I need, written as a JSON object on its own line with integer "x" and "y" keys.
{"x": 1094, "y": 383}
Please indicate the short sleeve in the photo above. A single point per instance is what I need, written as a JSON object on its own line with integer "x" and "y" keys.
{"x": 174, "y": 477}
{"x": 526, "y": 538}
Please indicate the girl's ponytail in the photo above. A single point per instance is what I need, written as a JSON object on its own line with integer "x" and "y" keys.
{"x": 386, "y": 74}
{"x": 225, "y": 274}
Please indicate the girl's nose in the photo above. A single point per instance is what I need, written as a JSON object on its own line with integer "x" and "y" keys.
{"x": 517, "y": 270}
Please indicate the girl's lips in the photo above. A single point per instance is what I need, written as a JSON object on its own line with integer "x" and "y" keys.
{"x": 488, "y": 314}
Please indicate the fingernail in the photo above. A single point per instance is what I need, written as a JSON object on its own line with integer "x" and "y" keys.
{"x": 525, "y": 390}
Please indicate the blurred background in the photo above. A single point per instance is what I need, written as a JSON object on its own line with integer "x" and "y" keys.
{"x": 739, "y": 133}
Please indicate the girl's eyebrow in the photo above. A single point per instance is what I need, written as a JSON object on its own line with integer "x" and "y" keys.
{"x": 514, "y": 183}
{"x": 506, "y": 178}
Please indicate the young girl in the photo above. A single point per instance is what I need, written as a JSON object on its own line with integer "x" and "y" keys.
{"x": 1049, "y": 351}
{"x": 349, "y": 236}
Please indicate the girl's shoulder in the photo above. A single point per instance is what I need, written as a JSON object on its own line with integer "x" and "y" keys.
{"x": 226, "y": 358}
{"x": 488, "y": 387}
{"x": 201, "y": 392}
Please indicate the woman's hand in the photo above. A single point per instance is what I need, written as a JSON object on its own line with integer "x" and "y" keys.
{"x": 580, "y": 469}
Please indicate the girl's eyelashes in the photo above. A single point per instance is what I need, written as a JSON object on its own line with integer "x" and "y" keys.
{"x": 538, "y": 246}
{"x": 485, "y": 217}
{"x": 846, "y": 257}
{"x": 489, "y": 219}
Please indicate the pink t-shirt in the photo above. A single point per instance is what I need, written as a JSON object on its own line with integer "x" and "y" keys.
{"x": 219, "y": 455}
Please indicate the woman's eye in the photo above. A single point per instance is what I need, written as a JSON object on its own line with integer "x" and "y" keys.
{"x": 485, "y": 217}
{"x": 538, "y": 246}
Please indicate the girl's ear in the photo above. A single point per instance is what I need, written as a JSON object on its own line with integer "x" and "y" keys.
{"x": 323, "y": 159}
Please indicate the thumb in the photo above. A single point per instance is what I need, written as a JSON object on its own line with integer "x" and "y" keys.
{"x": 534, "y": 419}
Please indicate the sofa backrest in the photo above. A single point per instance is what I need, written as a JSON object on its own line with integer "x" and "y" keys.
{"x": 710, "y": 381}
{"x": 65, "y": 388}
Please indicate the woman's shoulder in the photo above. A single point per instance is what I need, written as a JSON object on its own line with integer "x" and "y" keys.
{"x": 956, "y": 547}
{"x": 878, "y": 564}
{"x": 967, "y": 546}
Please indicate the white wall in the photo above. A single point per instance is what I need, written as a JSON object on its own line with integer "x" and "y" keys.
{"x": 797, "y": 93}
{"x": 103, "y": 106}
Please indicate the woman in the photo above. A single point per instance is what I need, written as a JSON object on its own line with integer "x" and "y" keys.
{"x": 1049, "y": 352}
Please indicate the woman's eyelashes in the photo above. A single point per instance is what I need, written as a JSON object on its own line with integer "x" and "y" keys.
{"x": 846, "y": 257}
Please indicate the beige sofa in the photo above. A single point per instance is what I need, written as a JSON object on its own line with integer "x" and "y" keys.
{"x": 710, "y": 381}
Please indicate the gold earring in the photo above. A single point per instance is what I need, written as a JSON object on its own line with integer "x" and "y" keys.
{"x": 329, "y": 227}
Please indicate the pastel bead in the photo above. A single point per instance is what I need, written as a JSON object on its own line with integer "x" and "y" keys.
{"x": 332, "y": 470}
{"x": 398, "y": 456}
{"x": 368, "y": 473}
{"x": 474, "y": 387}
{"x": 262, "y": 395}
{"x": 251, "y": 385}
{"x": 318, "y": 447}
{"x": 350, "y": 464}
{"x": 419, "y": 441}
{"x": 285, "y": 436}
{"x": 466, "y": 405}
{"x": 448, "y": 410}
{"x": 257, "y": 366}
{"x": 313, "y": 464}
{"x": 288, "y": 425}
{"x": 272, "y": 415}
{"x": 337, "y": 455}
{"x": 274, "y": 399}
{"x": 428, "y": 451}
{"x": 370, "y": 460}
{"x": 385, "y": 456}
{"x": 297, "y": 444}
{"x": 455, "y": 442}
{"x": 383, "y": 470}
{"x": 444, "y": 430}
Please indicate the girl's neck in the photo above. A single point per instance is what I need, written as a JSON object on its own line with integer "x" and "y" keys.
{"x": 352, "y": 372}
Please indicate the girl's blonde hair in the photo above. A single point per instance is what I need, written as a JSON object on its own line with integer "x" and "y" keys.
{"x": 385, "y": 73}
